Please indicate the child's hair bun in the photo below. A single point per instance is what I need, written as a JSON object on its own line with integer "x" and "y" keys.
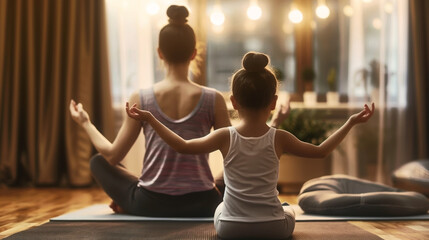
{"x": 255, "y": 62}
{"x": 177, "y": 14}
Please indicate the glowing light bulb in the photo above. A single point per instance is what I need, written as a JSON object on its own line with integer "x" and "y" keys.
{"x": 376, "y": 23}
{"x": 322, "y": 11}
{"x": 152, "y": 8}
{"x": 254, "y": 12}
{"x": 388, "y": 7}
{"x": 348, "y": 11}
{"x": 217, "y": 17}
{"x": 295, "y": 16}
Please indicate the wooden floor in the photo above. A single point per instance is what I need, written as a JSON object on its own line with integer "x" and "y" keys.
{"x": 23, "y": 208}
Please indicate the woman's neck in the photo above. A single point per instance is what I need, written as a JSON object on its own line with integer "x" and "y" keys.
{"x": 177, "y": 72}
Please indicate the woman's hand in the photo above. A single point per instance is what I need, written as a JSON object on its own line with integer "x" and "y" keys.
{"x": 78, "y": 114}
{"x": 137, "y": 114}
{"x": 364, "y": 115}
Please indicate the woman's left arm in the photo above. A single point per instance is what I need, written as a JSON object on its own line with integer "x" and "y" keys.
{"x": 113, "y": 152}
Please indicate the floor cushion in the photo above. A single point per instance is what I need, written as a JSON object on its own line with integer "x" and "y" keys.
{"x": 348, "y": 196}
{"x": 413, "y": 176}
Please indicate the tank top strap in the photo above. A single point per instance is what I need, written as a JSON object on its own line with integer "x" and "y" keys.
{"x": 146, "y": 97}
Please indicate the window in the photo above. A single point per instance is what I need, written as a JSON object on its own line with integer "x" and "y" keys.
{"x": 272, "y": 34}
{"x": 361, "y": 44}
{"x": 364, "y": 43}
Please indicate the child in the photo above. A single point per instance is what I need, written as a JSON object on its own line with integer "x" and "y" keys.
{"x": 251, "y": 152}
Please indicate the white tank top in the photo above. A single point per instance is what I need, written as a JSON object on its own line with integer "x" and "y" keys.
{"x": 251, "y": 170}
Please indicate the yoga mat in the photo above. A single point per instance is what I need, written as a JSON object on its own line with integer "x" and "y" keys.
{"x": 300, "y": 216}
{"x": 178, "y": 230}
{"x": 102, "y": 212}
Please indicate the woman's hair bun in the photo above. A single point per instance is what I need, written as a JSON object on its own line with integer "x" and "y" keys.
{"x": 255, "y": 62}
{"x": 177, "y": 14}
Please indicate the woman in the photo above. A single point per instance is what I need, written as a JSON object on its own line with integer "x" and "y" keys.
{"x": 171, "y": 184}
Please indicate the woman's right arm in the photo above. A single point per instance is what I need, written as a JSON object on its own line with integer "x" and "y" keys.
{"x": 221, "y": 112}
{"x": 113, "y": 152}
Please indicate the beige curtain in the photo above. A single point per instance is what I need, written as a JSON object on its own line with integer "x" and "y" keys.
{"x": 419, "y": 78}
{"x": 51, "y": 51}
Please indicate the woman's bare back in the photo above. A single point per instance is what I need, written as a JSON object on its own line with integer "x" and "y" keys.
{"x": 177, "y": 99}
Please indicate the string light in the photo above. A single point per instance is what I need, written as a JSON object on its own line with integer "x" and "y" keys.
{"x": 152, "y": 8}
{"x": 376, "y": 23}
{"x": 388, "y": 7}
{"x": 348, "y": 11}
{"x": 254, "y": 12}
{"x": 295, "y": 16}
{"x": 322, "y": 11}
{"x": 217, "y": 17}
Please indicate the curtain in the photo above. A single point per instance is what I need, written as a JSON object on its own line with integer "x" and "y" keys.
{"x": 51, "y": 52}
{"x": 374, "y": 40}
{"x": 419, "y": 78}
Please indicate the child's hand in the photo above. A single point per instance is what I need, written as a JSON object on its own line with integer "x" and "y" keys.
{"x": 363, "y": 116}
{"x": 78, "y": 114}
{"x": 137, "y": 114}
{"x": 281, "y": 114}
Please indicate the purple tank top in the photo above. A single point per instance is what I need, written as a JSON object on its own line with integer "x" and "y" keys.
{"x": 165, "y": 170}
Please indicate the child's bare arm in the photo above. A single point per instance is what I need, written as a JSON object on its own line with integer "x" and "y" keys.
{"x": 286, "y": 142}
{"x": 280, "y": 114}
{"x": 213, "y": 141}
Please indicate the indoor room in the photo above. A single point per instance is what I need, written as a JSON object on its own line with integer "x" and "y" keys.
{"x": 214, "y": 119}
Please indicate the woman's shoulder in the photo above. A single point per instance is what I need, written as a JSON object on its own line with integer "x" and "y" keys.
{"x": 216, "y": 94}
{"x": 137, "y": 96}
{"x": 211, "y": 90}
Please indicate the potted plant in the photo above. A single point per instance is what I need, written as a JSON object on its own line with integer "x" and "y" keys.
{"x": 308, "y": 75}
{"x": 308, "y": 126}
{"x": 332, "y": 96}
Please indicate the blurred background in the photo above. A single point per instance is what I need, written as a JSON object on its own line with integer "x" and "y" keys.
{"x": 330, "y": 57}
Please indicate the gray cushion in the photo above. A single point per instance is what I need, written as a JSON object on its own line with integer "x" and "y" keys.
{"x": 348, "y": 196}
{"x": 413, "y": 176}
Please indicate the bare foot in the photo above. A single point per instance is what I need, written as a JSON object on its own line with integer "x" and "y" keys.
{"x": 116, "y": 208}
